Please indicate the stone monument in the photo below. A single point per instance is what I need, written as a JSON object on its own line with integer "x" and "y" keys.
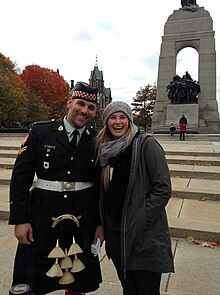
{"x": 190, "y": 26}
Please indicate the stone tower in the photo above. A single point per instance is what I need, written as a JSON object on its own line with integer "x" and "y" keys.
{"x": 183, "y": 29}
{"x": 96, "y": 80}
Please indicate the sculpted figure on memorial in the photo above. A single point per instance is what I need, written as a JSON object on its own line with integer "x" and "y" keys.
{"x": 183, "y": 90}
{"x": 189, "y": 5}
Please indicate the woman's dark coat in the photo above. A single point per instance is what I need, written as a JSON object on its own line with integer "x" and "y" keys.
{"x": 145, "y": 240}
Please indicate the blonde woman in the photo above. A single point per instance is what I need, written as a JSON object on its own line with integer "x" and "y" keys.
{"x": 135, "y": 189}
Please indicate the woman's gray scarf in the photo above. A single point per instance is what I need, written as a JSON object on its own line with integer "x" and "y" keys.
{"x": 112, "y": 148}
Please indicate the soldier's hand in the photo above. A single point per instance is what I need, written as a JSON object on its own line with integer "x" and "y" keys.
{"x": 99, "y": 233}
{"x": 24, "y": 233}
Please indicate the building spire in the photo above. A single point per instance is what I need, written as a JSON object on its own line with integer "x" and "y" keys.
{"x": 96, "y": 61}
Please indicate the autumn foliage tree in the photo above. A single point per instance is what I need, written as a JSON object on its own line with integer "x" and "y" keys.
{"x": 49, "y": 86}
{"x": 143, "y": 104}
{"x": 13, "y": 93}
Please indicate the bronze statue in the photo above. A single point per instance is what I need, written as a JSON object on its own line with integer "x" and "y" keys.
{"x": 183, "y": 90}
{"x": 188, "y": 2}
{"x": 189, "y": 5}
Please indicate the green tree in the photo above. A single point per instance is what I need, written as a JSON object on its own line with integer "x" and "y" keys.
{"x": 36, "y": 110}
{"x": 13, "y": 93}
{"x": 143, "y": 104}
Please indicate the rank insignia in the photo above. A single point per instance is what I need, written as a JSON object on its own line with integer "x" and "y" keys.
{"x": 22, "y": 150}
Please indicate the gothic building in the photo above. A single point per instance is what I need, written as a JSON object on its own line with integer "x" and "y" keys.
{"x": 96, "y": 80}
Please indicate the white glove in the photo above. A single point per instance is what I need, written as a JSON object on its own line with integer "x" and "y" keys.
{"x": 95, "y": 248}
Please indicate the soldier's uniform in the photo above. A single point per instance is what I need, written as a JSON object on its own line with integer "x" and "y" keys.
{"x": 64, "y": 186}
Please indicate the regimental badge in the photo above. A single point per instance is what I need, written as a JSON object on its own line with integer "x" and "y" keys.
{"x": 60, "y": 128}
{"x": 46, "y": 165}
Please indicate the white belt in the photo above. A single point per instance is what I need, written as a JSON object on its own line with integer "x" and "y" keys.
{"x": 62, "y": 186}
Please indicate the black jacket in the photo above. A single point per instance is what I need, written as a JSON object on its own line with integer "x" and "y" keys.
{"x": 145, "y": 240}
{"x": 47, "y": 154}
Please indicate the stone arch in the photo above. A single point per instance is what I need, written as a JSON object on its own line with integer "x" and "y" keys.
{"x": 189, "y": 29}
{"x": 183, "y": 63}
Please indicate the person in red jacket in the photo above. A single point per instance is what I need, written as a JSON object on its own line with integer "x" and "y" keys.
{"x": 182, "y": 128}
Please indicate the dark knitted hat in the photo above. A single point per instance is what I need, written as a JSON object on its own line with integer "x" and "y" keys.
{"x": 117, "y": 106}
{"x": 83, "y": 91}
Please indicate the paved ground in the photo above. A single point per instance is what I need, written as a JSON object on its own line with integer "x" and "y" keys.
{"x": 194, "y": 208}
{"x": 197, "y": 268}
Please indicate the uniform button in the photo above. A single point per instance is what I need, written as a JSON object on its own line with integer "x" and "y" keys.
{"x": 71, "y": 158}
{"x": 47, "y": 155}
{"x": 68, "y": 172}
{"x": 65, "y": 196}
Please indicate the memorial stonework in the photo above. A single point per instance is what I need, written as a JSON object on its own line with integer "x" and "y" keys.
{"x": 188, "y": 28}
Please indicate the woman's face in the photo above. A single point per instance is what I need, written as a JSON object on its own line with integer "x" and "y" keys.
{"x": 118, "y": 124}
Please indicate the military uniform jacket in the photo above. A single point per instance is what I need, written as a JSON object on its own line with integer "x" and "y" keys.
{"x": 47, "y": 152}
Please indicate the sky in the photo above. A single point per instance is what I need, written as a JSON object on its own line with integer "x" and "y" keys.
{"x": 124, "y": 35}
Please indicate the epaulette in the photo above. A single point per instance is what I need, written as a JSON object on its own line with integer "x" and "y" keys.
{"x": 44, "y": 122}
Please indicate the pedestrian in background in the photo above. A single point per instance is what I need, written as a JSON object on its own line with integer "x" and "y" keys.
{"x": 135, "y": 188}
{"x": 182, "y": 130}
{"x": 172, "y": 129}
{"x": 183, "y": 119}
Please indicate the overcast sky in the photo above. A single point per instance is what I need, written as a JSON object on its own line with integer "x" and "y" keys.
{"x": 68, "y": 34}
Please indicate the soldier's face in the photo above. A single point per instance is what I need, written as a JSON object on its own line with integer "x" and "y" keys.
{"x": 80, "y": 112}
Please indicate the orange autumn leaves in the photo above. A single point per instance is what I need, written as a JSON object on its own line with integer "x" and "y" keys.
{"x": 49, "y": 86}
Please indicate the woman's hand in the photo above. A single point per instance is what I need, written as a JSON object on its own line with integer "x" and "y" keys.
{"x": 99, "y": 233}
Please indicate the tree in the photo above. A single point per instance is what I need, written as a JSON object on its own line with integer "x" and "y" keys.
{"x": 144, "y": 102}
{"x": 36, "y": 110}
{"x": 49, "y": 86}
{"x": 13, "y": 94}
{"x": 97, "y": 120}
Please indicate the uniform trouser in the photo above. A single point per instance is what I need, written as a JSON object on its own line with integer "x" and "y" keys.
{"x": 136, "y": 282}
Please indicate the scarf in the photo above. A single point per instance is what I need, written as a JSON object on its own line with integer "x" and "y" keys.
{"x": 113, "y": 148}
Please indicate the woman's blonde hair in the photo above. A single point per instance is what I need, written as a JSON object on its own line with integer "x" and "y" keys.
{"x": 105, "y": 136}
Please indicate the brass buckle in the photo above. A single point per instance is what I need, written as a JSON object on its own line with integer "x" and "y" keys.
{"x": 68, "y": 186}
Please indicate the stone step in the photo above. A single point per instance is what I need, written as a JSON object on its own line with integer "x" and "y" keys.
{"x": 189, "y": 137}
{"x": 200, "y": 189}
{"x": 192, "y": 160}
{"x": 194, "y": 171}
{"x": 8, "y": 153}
{"x": 200, "y": 219}
{"x": 8, "y": 162}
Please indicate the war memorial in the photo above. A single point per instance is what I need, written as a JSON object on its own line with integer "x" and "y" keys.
{"x": 189, "y": 26}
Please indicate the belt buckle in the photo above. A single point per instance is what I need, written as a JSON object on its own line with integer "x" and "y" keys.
{"x": 68, "y": 186}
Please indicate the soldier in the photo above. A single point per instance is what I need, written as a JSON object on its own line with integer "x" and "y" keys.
{"x": 62, "y": 208}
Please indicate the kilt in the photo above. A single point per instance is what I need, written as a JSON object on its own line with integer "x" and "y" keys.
{"x": 31, "y": 261}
